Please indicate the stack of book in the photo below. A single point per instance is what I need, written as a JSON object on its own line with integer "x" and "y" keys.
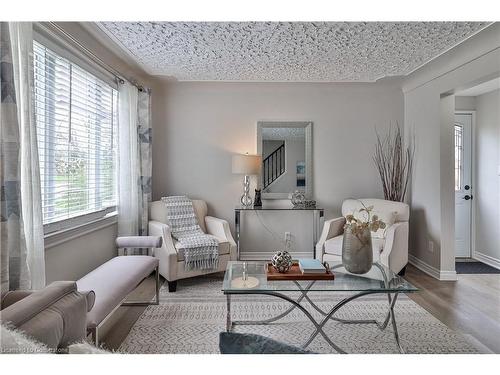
{"x": 311, "y": 266}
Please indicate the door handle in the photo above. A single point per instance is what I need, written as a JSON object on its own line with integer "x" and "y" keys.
{"x": 467, "y": 197}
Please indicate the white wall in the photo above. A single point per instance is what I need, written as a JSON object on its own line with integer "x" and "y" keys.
{"x": 474, "y": 61}
{"x": 487, "y": 164}
{"x": 465, "y": 103}
{"x": 73, "y": 259}
{"x": 203, "y": 124}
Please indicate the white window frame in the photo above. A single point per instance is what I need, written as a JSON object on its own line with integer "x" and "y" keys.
{"x": 65, "y": 229}
{"x": 77, "y": 221}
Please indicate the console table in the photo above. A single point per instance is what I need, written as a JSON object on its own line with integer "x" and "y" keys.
{"x": 317, "y": 222}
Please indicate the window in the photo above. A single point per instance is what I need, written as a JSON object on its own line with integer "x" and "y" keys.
{"x": 458, "y": 157}
{"x": 76, "y": 120}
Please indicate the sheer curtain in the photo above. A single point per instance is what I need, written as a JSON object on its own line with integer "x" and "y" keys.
{"x": 145, "y": 141}
{"x": 22, "y": 244}
{"x": 134, "y": 161}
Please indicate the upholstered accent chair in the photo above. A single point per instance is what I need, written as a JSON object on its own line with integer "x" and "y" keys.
{"x": 390, "y": 246}
{"x": 172, "y": 260}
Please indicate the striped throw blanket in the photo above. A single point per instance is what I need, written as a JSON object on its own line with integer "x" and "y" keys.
{"x": 200, "y": 250}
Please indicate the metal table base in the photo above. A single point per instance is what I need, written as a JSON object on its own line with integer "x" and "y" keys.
{"x": 326, "y": 315}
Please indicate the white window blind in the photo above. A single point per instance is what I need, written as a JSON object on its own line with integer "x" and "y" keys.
{"x": 76, "y": 118}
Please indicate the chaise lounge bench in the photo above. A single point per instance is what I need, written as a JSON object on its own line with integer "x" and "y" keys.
{"x": 113, "y": 281}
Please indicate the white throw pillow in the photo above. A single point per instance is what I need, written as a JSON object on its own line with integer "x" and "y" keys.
{"x": 13, "y": 341}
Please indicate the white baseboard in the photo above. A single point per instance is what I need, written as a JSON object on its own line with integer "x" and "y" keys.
{"x": 448, "y": 275}
{"x": 432, "y": 271}
{"x": 423, "y": 266}
{"x": 267, "y": 255}
{"x": 486, "y": 259}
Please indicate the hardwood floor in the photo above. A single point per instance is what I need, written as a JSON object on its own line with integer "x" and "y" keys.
{"x": 470, "y": 305}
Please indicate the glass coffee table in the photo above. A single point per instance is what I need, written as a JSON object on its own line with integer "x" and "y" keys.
{"x": 243, "y": 278}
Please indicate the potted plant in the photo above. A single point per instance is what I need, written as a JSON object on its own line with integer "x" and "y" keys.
{"x": 394, "y": 162}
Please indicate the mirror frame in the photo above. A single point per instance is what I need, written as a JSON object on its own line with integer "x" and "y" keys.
{"x": 307, "y": 125}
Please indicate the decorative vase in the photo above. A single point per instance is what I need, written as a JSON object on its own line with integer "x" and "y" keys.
{"x": 257, "y": 202}
{"x": 282, "y": 261}
{"x": 357, "y": 253}
{"x": 298, "y": 198}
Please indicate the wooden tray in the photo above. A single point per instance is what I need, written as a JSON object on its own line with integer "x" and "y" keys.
{"x": 296, "y": 274}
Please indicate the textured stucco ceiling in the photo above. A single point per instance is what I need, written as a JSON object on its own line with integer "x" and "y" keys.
{"x": 286, "y": 51}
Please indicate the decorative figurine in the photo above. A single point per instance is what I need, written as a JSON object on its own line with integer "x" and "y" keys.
{"x": 282, "y": 261}
{"x": 298, "y": 198}
{"x": 257, "y": 202}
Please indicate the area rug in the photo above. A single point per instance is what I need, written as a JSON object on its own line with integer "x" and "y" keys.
{"x": 189, "y": 321}
{"x": 474, "y": 268}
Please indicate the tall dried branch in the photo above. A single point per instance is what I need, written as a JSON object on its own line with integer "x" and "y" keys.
{"x": 394, "y": 163}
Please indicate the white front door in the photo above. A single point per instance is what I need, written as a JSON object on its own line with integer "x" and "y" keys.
{"x": 463, "y": 184}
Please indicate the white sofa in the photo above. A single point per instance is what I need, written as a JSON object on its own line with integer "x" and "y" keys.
{"x": 172, "y": 261}
{"x": 391, "y": 251}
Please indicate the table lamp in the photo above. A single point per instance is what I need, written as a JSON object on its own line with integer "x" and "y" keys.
{"x": 246, "y": 165}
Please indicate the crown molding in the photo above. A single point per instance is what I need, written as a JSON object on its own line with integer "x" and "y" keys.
{"x": 113, "y": 45}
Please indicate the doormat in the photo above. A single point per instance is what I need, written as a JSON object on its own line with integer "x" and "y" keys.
{"x": 474, "y": 267}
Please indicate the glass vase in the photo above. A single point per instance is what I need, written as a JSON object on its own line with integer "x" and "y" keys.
{"x": 357, "y": 253}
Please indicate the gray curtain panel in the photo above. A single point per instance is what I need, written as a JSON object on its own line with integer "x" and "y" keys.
{"x": 145, "y": 141}
{"x": 22, "y": 263}
{"x": 14, "y": 268}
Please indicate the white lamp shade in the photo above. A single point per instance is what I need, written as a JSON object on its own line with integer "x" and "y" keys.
{"x": 246, "y": 164}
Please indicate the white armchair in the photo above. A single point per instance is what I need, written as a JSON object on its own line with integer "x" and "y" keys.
{"x": 171, "y": 260}
{"x": 391, "y": 251}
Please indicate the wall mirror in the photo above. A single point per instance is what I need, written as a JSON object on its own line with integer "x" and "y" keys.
{"x": 286, "y": 150}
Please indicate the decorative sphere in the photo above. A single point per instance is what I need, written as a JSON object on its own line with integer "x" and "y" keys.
{"x": 282, "y": 261}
